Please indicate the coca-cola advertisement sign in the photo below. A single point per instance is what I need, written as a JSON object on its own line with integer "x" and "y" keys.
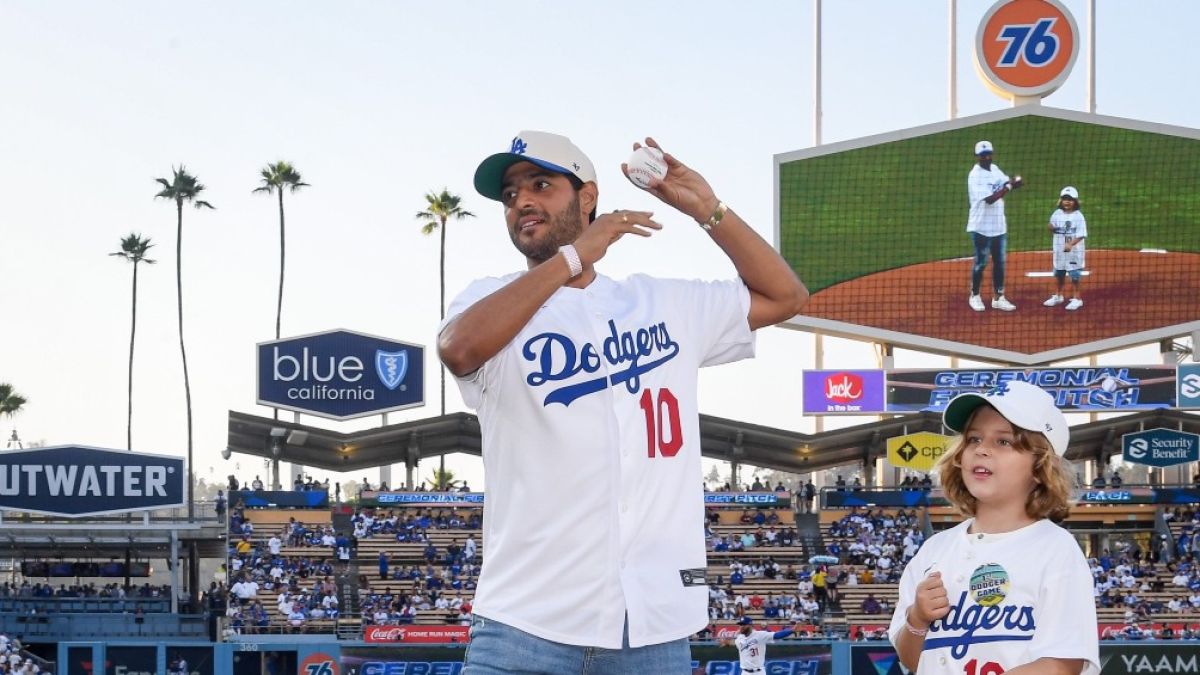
{"x": 843, "y": 392}
{"x": 416, "y": 634}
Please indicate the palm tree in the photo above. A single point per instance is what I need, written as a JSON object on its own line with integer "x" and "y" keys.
{"x": 276, "y": 177}
{"x": 440, "y": 209}
{"x": 10, "y": 401}
{"x": 183, "y": 187}
{"x": 442, "y": 480}
{"x": 133, "y": 249}
{"x": 10, "y": 404}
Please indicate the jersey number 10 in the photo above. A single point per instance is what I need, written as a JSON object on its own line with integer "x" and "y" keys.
{"x": 663, "y": 430}
{"x": 989, "y": 668}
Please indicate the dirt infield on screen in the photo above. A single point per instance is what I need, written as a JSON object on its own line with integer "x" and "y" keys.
{"x": 1125, "y": 292}
{"x": 878, "y": 232}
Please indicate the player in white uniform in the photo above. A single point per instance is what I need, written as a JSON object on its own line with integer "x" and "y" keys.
{"x": 752, "y": 646}
{"x": 586, "y": 392}
{"x": 986, "y": 187}
{"x": 1007, "y": 591}
{"x": 1069, "y": 230}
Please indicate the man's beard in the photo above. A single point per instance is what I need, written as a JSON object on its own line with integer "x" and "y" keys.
{"x": 564, "y": 228}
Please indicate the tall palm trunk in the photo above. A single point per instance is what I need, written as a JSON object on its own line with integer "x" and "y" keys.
{"x": 129, "y": 413}
{"x": 132, "y": 335}
{"x": 442, "y": 317}
{"x": 278, "y": 316}
{"x": 279, "y": 303}
{"x": 442, "y": 297}
{"x": 187, "y": 384}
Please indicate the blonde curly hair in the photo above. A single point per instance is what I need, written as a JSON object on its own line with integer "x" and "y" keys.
{"x": 1051, "y": 494}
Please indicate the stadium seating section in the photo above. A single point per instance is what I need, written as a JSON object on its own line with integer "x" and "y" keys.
{"x": 763, "y": 564}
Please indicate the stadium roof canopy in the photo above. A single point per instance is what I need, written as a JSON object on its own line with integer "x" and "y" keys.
{"x": 723, "y": 439}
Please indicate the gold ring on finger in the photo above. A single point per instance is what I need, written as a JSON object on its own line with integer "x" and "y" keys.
{"x": 625, "y": 218}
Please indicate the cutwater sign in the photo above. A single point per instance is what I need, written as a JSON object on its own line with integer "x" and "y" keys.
{"x": 341, "y": 374}
{"x": 72, "y": 480}
{"x": 1161, "y": 447}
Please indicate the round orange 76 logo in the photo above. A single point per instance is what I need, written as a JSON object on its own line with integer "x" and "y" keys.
{"x": 319, "y": 663}
{"x": 1026, "y": 47}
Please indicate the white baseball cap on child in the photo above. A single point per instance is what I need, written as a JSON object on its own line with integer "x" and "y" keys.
{"x": 1069, "y": 192}
{"x": 549, "y": 151}
{"x": 1024, "y": 405}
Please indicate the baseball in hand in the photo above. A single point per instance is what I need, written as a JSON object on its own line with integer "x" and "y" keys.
{"x": 645, "y": 164}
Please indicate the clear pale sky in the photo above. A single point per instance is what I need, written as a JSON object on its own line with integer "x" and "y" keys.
{"x": 377, "y": 103}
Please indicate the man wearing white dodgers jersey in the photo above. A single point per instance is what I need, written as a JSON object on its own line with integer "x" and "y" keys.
{"x": 752, "y": 646}
{"x": 1008, "y": 590}
{"x": 986, "y": 223}
{"x": 586, "y": 393}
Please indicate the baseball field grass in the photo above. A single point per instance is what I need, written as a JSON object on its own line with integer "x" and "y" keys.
{"x": 867, "y": 210}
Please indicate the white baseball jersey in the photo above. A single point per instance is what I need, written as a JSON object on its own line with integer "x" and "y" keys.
{"x": 984, "y": 218}
{"x": 1014, "y": 598}
{"x": 1068, "y": 226}
{"x": 752, "y": 649}
{"x": 591, "y": 447}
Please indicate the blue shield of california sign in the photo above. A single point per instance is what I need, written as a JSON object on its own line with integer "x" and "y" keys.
{"x": 391, "y": 366}
{"x": 341, "y": 374}
{"x": 73, "y": 480}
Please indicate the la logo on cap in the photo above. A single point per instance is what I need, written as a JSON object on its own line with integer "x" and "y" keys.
{"x": 1026, "y": 48}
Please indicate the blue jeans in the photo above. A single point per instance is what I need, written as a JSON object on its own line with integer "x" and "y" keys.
{"x": 497, "y": 649}
{"x": 998, "y": 247}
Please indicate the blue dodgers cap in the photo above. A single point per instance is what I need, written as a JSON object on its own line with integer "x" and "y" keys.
{"x": 549, "y": 151}
{"x": 1024, "y": 405}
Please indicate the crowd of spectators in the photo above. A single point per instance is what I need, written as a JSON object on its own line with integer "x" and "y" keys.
{"x": 1135, "y": 580}
{"x": 758, "y": 538}
{"x": 1134, "y": 631}
{"x": 763, "y": 530}
{"x": 370, "y": 523}
{"x": 443, "y": 584}
{"x": 302, "y": 586}
{"x": 878, "y": 541}
{"x": 89, "y": 590}
{"x": 11, "y": 660}
{"x": 728, "y": 603}
{"x": 756, "y": 486}
{"x": 428, "y": 594}
{"x": 366, "y": 486}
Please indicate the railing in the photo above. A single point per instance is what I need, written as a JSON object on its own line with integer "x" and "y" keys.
{"x": 916, "y": 496}
{"x": 206, "y": 512}
{"x": 26, "y": 605}
{"x": 72, "y": 626}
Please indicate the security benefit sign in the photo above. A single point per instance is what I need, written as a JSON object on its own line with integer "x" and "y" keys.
{"x": 919, "y": 451}
{"x": 1160, "y": 447}
{"x": 341, "y": 374}
{"x": 1189, "y": 386}
{"x": 73, "y": 480}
